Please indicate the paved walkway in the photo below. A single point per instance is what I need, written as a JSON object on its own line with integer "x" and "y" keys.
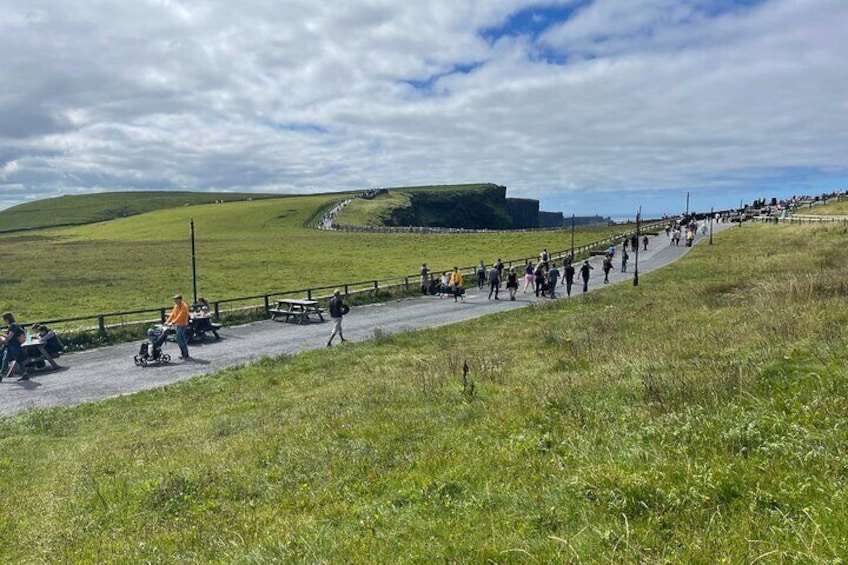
{"x": 109, "y": 371}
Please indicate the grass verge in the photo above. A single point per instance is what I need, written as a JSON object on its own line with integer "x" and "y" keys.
{"x": 698, "y": 418}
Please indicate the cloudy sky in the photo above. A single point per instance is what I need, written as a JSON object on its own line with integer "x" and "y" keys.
{"x": 591, "y": 106}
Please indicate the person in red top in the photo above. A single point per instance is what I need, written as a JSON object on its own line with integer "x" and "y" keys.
{"x": 179, "y": 319}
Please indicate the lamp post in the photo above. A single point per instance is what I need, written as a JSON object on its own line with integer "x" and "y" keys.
{"x": 741, "y": 213}
{"x": 193, "y": 266}
{"x": 712, "y": 213}
{"x": 571, "y": 260}
{"x": 636, "y": 264}
{"x": 687, "y": 207}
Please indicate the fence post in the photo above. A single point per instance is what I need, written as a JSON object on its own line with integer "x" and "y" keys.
{"x": 406, "y": 282}
{"x": 309, "y": 294}
{"x": 217, "y": 312}
{"x": 347, "y": 293}
{"x": 376, "y": 286}
{"x": 267, "y": 303}
{"x": 162, "y": 315}
{"x": 101, "y": 324}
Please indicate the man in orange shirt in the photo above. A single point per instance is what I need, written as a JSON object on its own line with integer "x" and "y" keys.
{"x": 179, "y": 319}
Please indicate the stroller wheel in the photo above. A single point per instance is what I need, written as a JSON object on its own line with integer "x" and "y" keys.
{"x": 136, "y": 361}
{"x": 165, "y": 358}
{"x": 142, "y": 361}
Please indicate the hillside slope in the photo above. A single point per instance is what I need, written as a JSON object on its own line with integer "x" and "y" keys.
{"x": 88, "y": 208}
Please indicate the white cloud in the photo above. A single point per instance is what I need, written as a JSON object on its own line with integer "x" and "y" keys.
{"x": 299, "y": 96}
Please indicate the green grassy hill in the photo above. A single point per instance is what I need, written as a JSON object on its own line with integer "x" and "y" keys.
{"x": 243, "y": 248}
{"x": 700, "y": 417}
{"x": 88, "y": 208}
{"x": 474, "y": 206}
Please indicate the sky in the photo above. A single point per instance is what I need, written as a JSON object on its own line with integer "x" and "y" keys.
{"x": 590, "y": 106}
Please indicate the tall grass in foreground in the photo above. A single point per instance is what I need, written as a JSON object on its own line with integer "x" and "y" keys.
{"x": 698, "y": 418}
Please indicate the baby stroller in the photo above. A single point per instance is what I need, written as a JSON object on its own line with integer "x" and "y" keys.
{"x": 151, "y": 349}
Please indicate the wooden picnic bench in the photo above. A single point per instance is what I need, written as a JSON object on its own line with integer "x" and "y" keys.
{"x": 289, "y": 309}
{"x": 37, "y": 355}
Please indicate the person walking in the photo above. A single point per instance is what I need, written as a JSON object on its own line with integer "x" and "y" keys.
{"x": 584, "y": 274}
{"x": 481, "y": 275}
{"x": 624, "y": 258}
{"x": 494, "y": 281}
{"x": 337, "y": 309}
{"x": 607, "y": 268}
{"x": 528, "y": 276}
{"x": 539, "y": 279}
{"x": 500, "y": 269}
{"x": 553, "y": 279}
{"x": 644, "y": 243}
{"x": 179, "y": 319}
{"x": 14, "y": 356}
{"x": 512, "y": 283}
{"x": 568, "y": 277}
{"x": 425, "y": 279}
{"x": 457, "y": 285}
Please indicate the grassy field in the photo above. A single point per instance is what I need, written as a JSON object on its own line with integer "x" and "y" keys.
{"x": 88, "y": 208}
{"x": 243, "y": 248}
{"x": 832, "y": 208}
{"x": 361, "y": 212}
{"x": 701, "y": 417}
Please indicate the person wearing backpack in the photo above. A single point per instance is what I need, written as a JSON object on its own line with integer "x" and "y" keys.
{"x": 337, "y": 310}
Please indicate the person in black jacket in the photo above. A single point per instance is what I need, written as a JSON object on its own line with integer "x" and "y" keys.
{"x": 568, "y": 279}
{"x": 584, "y": 274}
{"x": 337, "y": 309}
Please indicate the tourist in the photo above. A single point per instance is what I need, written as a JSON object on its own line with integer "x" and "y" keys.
{"x": 481, "y": 275}
{"x": 179, "y": 320}
{"x": 644, "y": 243}
{"x": 457, "y": 285}
{"x": 607, "y": 268}
{"x": 528, "y": 276}
{"x": 584, "y": 274}
{"x": 539, "y": 279}
{"x": 425, "y": 279}
{"x": 512, "y": 283}
{"x": 14, "y": 357}
{"x": 624, "y": 259}
{"x": 494, "y": 281}
{"x": 553, "y": 279}
{"x": 337, "y": 309}
{"x": 568, "y": 277}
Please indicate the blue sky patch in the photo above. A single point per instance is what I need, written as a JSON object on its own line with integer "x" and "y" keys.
{"x": 532, "y": 22}
{"x": 429, "y": 82}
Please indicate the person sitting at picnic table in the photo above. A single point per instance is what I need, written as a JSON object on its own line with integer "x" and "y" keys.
{"x": 48, "y": 337}
{"x": 201, "y": 309}
{"x": 201, "y": 320}
{"x": 14, "y": 357}
{"x": 445, "y": 284}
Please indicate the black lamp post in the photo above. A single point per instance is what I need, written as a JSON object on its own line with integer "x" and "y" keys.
{"x": 636, "y": 264}
{"x": 193, "y": 266}
{"x": 712, "y": 213}
{"x": 572, "y": 238}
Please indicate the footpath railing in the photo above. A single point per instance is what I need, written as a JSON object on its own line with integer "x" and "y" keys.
{"x": 264, "y": 301}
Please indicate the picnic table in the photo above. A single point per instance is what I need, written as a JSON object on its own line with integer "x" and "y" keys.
{"x": 35, "y": 351}
{"x": 289, "y": 309}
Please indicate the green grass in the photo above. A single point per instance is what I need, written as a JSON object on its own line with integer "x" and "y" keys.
{"x": 243, "y": 248}
{"x": 361, "y": 212}
{"x": 698, "y": 418}
{"x": 88, "y": 208}
{"x": 832, "y": 208}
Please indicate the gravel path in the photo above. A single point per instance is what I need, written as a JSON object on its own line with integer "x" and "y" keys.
{"x": 109, "y": 371}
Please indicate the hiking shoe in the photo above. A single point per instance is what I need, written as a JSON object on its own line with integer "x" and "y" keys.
{"x": 23, "y": 377}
